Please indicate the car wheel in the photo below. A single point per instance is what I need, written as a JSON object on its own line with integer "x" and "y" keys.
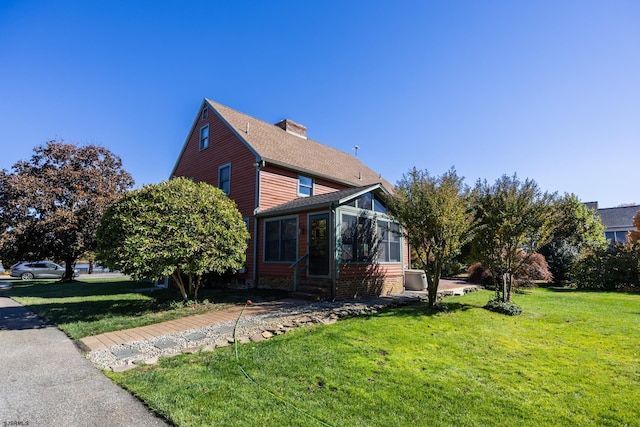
{"x": 26, "y": 276}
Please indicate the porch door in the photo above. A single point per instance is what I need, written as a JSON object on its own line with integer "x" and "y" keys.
{"x": 319, "y": 248}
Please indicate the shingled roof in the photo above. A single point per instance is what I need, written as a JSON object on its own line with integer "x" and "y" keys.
{"x": 276, "y": 146}
{"x": 620, "y": 217}
{"x": 321, "y": 201}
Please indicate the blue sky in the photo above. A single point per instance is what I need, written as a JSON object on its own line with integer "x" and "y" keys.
{"x": 547, "y": 89}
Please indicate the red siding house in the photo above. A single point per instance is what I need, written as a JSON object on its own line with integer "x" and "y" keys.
{"x": 316, "y": 215}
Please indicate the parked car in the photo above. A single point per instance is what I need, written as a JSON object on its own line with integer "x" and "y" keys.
{"x": 39, "y": 270}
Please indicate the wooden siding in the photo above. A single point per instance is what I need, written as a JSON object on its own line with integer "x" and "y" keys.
{"x": 279, "y": 185}
{"x": 224, "y": 148}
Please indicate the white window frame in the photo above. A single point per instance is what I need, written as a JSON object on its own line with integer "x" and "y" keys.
{"x": 301, "y": 185}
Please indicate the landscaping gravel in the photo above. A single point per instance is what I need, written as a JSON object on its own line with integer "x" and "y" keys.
{"x": 250, "y": 328}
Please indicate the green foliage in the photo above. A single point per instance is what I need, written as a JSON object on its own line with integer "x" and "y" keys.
{"x": 435, "y": 216}
{"x": 178, "y": 228}
{"x": 514, "y": 219}
{"x": 578, "y": 229}
{"x": 508, "y": 308}
{"x": 51, "y": 205}
{"x": 611, "y": 268}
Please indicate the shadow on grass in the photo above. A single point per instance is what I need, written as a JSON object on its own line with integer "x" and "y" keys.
{"x": 57, "y": 289}
{"x": 566, "y": 289}
{"x": 421, "y": 309}
{"x": 73, "y": 289}
{"x": 102, "y": 301}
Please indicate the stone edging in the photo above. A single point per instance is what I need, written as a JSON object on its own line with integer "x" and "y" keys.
{"x": 250, "y": 329}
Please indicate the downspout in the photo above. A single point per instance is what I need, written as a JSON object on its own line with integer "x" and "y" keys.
{"x": 333, "y": 252}
{"x": 259, "y": 164}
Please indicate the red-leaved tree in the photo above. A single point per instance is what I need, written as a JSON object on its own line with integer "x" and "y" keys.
{"x": 51, "y": 205}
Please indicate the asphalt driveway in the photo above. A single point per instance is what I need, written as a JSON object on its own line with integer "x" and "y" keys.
{"x": 45, "y": 381}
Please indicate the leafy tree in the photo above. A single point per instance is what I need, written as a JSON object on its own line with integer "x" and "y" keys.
{"x": 50, "y": 206}
{"x": 177, "y": 228}
{"x": 533, "y": 267}
{"x": 435, "y": 216}
{"x": 513, "y": 218}
{"x": 578, "y": 228}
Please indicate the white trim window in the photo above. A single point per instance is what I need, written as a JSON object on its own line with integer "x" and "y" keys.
{"x": 205, "y": 113}
{"x": 204, "y": 137}
{"x": 305, "y": 186}
{"x": 224, "y": 178}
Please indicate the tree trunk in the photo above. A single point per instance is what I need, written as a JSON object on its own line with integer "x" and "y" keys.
{"x": 68, "y": 269}
{"x": 433, "y": 280}
{"x": 177, "y": 277}
{"x": 504, "y": 287}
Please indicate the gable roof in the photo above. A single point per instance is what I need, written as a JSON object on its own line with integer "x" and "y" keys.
{"x": 321, "y": 200}
{"x": 276, "y": 146}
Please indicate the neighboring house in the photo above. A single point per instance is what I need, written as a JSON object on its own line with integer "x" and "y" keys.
{"x": 316, "y": 215}
{"x": 617, "y": 221}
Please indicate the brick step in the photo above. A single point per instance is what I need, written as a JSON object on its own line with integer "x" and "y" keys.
{"x": 314, "y": 292}
{"x": 307, "y": 296}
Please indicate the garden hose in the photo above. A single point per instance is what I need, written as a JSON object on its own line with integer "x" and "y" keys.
{"x": 247, "y": 376}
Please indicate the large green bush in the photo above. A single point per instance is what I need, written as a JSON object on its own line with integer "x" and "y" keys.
{"x": 616, "y": 267}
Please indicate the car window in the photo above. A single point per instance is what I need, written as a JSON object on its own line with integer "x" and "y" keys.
{"x": 51, "y": 266}
{"x": 40, "y": 265}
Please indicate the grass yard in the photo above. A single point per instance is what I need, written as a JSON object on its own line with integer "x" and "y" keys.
{"x": 92, "y": 306}
{"x": 572, "y": 359}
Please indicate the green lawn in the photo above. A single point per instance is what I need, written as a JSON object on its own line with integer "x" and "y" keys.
{"x": 92, "y": 306}
{"x": 572, "y": 359}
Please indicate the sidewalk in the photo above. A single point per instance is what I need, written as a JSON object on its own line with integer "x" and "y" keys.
{"x": 45, "y": 381}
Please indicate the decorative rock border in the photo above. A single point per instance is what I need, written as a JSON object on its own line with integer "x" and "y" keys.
{"x": 255, "y": 328}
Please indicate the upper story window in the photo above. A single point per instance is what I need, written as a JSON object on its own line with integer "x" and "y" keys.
{"x": 305, "y": 186}
{"x": 204, "y": 137}
{"x": 224, "y": 178}
{"x": 204, "y": 114}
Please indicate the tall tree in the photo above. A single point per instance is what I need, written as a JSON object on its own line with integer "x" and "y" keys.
{"x": 578, "y": 229}
{"x": 177, "y": 228}
{"x": 435, "y": 217}
{"x": 51, "y": 205}
{"x": 513, "y": 218}
{"x": 634, "y": 235}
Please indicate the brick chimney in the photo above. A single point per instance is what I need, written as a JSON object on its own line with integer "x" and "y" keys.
{"x": 292, "y": 127}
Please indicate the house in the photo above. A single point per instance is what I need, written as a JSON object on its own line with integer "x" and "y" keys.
{"x": 316, "y": 215}
{"x": 617, "y": 221}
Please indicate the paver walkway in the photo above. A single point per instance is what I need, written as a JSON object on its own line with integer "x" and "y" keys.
{"x": 110, "y": 339}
